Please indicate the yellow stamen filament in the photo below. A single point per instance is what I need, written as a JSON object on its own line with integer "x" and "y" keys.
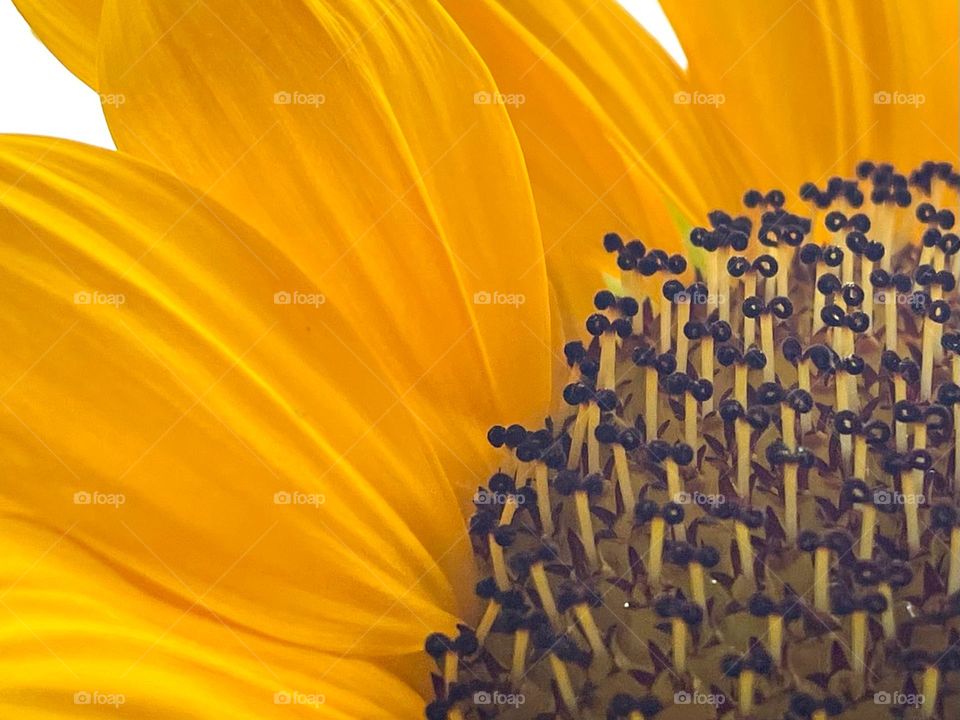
{"x": 766, "y": 342}
{"x": 635, "y": 715}
{"x": 576, "y": 437}
{"x": 953, "y": 580}
{"x": 499, "y": 565}
{"x": 888, "y": 620}
{"x": 593, "y": 445}
{"x": 866, "y": 267}
{"x": 900, "y": 394}
{"x": 723, "y": 298}
{"x": 749, "y": 290}
{"x": 623, "y": 479}
{"x": 606, "y": 377}
{"x": 803, "y": 382}
{"x": 956, "y": 428}
{"x": 673, "y": 479}
{"x": 450, "y": 666}
{"x": 567, "y": 694}
{"x": 683, "y": 344}
{"x": 926, "y": 359}
{"x": 742, "y": 431}
{"x": 745, "y": 548}
{"x": 910, "y": 509}
{"x": 509, "y": 510}
{"x": 745, "y": 695}
{"x": 541, "y": 481}
{"x": 858, "y": 641}
{"x": 521, "y": 640}
{"x": 775, "y": 636}
{"x": 788, "y": 426}
{"x": 790, "y": 511}
{"x": 486, "y": 622}
{"x": 657, "y": 528}
{"x": 860, "y": 456}
{"x": 674, "y": 489}
{"x": 542, "y": 585}
{"x": 679, "y": 628}
{"x": 740, "y": 384}
{"x": 697, "y": 586}
{"x": 890, "y": 319}
{"x": 821, "y": 579}
{"x": 931, "y": 686}
{"x": 706, "y": 368}
{"x": 819, "y": 302}
{"x": 843, "y": 403}
{"x": 582, "y": 501}
{"x": 712, "y": 274}
{"x": 590, "y": 629}
{"x": 665, "y": 342}
{"x": 868, "y": 526}
{"x": 820, "y": 714}
{"x": 690, "y": 413}
{"x": 650, "y": 401}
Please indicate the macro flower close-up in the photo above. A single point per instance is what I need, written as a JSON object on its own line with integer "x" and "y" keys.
{"x": 476, "y": 359}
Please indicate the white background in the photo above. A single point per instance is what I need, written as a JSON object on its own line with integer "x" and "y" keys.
{"x": 38, "y": 96}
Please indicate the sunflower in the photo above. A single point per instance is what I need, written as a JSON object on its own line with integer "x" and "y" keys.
{"x": 252, "y": 356}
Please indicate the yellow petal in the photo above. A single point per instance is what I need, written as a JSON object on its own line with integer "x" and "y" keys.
{"x": 590, "y": 174}
{"x": 806, "y": 84}
{"x": 81, "y": 639}
{"x": 69, "y": 29}
{"x": 159, "y": 405}
{"x": 347, "y": 133}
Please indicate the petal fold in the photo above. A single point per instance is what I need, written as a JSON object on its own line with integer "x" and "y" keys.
{"x": 164, "y": 406}
{"x": 347, "y": 133}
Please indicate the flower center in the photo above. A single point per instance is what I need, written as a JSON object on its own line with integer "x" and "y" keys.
{"x": 750, "y": 504}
